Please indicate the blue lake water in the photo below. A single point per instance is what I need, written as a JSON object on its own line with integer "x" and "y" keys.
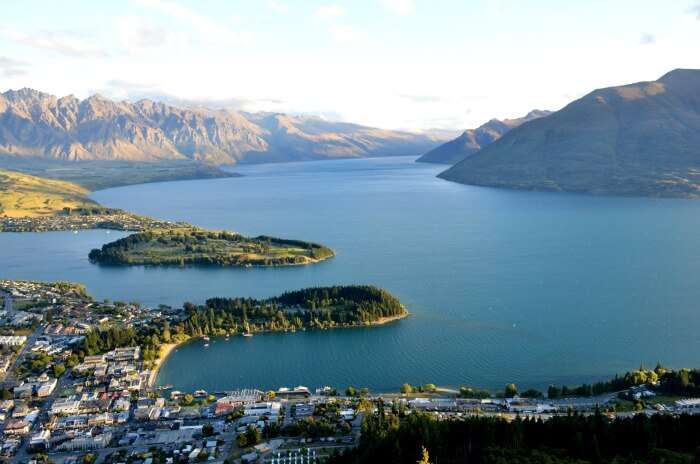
{"x": 503, "y": 286}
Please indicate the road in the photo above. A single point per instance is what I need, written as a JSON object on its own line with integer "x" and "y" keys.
{"x": 30, "y": 342}
{"x": 8, "y": 301}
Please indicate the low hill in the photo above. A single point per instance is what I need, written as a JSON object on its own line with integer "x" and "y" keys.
{"x": 473, "y": 140}
{"x": 22, "y": 195}
{"x": 637, "y": 139}
{"x": 182, "y": 246}
{"x": 37, "y": 124}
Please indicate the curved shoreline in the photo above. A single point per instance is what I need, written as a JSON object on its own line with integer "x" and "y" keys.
{"x": 167, "y": 349}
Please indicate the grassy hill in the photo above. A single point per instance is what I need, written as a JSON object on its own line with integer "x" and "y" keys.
{"x": 195, "y": 246}
{"x": 23, "y": 195}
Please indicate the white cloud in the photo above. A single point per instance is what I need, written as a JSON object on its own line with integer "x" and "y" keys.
{"x": 10, "y": 67}
{"x": 399, "y": 7}
{"x": 137, "y": 33}
{"x": 346, "y": 34}
{"x": 647, "y": 39}
{"x": 696, "y": 10}
{"x": 64, "y": 43}
{"x": 277, "y": 7}
{"x": 207, "y": 29}
{"x": 329, "y": 12}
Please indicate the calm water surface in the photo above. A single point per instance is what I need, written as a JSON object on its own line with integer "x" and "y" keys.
{"x": 502, "y": 285}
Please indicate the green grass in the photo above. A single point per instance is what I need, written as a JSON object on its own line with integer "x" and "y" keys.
{"x": 181, "y": 246}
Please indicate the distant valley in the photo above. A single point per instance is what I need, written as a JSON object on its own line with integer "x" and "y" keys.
{"x": 38, "y": 125}
{"x": 473, "y": 140}
{"x": 637, "y": 139}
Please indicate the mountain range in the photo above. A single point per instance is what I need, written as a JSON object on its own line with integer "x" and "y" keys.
{"x": 38, "y": 124}
{"x": 636, "y": 139}
{"x": 473, "y": 140}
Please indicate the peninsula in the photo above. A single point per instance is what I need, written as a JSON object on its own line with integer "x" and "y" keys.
{"x": 36, "y": 204}
{"x": 191, "y": 245}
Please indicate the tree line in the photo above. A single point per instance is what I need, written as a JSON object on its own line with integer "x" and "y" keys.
{"x": 388, "y": 438}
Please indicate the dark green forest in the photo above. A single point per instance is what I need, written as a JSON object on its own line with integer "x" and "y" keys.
{"x": 386, "y": 438}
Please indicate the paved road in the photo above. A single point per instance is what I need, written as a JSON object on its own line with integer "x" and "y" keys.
{"x": 8, "y": 301}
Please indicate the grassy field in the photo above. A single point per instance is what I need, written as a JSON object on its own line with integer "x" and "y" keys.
{"x": 23, "y": 195}
{"x": 181, "y": 246}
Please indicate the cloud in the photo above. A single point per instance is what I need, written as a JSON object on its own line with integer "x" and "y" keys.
{"x": 64, "y": 43}
{"x": 277, "y": 7}
{"x": 207, "y": 29}
{"x": 647, "y": 39}
{"x": 329, "y": 12}
{"x": 696, "y": 10}
{"x": 118, "y": 89}
{"x": 422, "y": 98}
{"x": 399, "y": 7}
{"x": 346, "y": 34}
{"x": 10, "y": 67}
{"x": 137, "y": 33}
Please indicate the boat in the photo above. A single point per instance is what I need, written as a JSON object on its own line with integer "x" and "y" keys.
{"x": 247, "y": 334}
{"x": 205, "y": 338}
{"x": 206, "y": 345}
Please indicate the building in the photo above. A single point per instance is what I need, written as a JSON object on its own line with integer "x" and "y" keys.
{"x": 12, "y": 340}
{"x": 296, "y": 392}
{"x": 688, "y": 406}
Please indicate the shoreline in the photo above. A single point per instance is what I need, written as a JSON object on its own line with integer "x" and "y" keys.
{"x": 167, "y": 349}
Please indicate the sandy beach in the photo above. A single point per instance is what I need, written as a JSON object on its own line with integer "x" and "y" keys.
{"x": 165, "y": 351}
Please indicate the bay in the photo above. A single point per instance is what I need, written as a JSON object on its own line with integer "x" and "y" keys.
{"x": 502, "y": 286}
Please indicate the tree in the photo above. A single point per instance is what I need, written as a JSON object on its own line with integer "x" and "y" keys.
{"x": 58, "y": 370}
{"x": 425, "y": 457}
{"x": 188, "y": 399}
{"x": 351, "y": 391}
{"x": 252, "y": 436}
{"x": 207, "y": 430}
{"x": 406, "y": 389}
{"x": 511, "y": 390}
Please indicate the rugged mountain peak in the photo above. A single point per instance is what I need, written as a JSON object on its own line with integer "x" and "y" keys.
{"x": 34, "y": 123}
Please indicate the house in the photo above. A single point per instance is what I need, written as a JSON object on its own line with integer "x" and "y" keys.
{"x": 16, "y": 427}
{"x": 688, "y": 406}
{"x": 68, "y": 405}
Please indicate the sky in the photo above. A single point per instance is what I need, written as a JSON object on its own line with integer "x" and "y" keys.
{"x": 397, "y": 64}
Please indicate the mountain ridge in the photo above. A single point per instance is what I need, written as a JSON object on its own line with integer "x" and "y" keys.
{"x": 473, "y": 140}
{"x": 38, "y": 124}
{"x": 634, "y": 139}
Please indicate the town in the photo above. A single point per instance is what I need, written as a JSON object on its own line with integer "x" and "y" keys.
{"x": 66, "y": 398}
{"x": 83, "y": 219}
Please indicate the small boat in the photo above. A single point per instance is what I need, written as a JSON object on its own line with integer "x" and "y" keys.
{"x": 206, "y": 345}
{"x": 205, "y": 338}
{"x": 247, "y": 334}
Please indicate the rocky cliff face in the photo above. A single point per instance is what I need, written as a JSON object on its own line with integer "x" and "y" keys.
{"x": 33, "y": 123}
{"x": 637, "y": 139}
{"x": 473, "y": 140}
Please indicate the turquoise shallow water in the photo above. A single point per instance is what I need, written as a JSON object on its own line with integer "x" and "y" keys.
{"x": 502, "y": 285}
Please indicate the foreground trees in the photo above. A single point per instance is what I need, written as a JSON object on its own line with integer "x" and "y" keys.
{"x": 567, "y": 439}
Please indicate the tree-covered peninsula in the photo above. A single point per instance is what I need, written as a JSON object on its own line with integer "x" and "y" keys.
{"x": 310, "y": 308}
{"x": 317, "y": 307}
{"x": 194, "y": 246}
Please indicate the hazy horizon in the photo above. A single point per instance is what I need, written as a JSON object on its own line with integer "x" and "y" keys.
{"x": 396, "y": 64}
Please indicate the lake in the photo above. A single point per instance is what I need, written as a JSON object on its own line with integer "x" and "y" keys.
{"x": 503, "y": 286}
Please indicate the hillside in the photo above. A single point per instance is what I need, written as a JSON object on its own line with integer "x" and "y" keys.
{"x": 637, "y": 139}
{"x": 36, "y": 124}
{"x": 22, "y": 195}
{"x": 473, "y": 140}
